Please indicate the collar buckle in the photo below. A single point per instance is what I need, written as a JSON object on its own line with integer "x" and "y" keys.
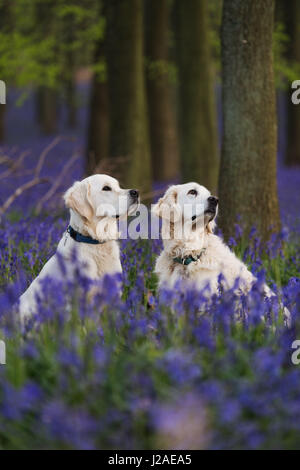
{"x": 189, "y": 259}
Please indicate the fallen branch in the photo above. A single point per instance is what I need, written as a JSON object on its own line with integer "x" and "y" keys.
{"x": 44, "y": 154}
{"x": 113, "y": 165}
{"x": 19, "y": 191}
{"x": 4, "y": 160}
{"x": 57, "y": 183}
{"x": 14, "y": 165}
{"x": 7, "y": 159}
{"x": 152, "y": 194}
{"x": 35, "y": 180}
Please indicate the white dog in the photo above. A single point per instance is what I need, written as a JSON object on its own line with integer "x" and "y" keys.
{"x": 95, "y": 205}
{"x": 191, "y": 251}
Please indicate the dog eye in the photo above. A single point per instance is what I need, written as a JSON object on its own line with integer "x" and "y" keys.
{"x": 193, "y": 192}
{"x": 106, "y": 188}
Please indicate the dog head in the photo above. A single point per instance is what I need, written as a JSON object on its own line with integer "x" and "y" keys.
{"x": 189, "y": 206}
{"x": 98, "y": 201}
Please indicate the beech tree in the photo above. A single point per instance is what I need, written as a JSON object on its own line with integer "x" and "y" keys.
{"x": 127, "y": 95}
{"x": 197, "y": 114}
{"x": 42, "y": 45}
{"x": 98, "y": 127}
{"x": 247, "y": 185}
{"x": 163, "y": 128}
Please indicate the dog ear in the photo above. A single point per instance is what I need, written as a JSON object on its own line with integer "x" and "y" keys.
{"x": 211, "y": 226}
{"x": 78, "y": 198}
{"x": 167, "y": 207}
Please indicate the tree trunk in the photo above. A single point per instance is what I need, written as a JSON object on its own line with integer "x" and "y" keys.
{"x": 292, "y": 156}
{"x": 70, "y": 79}
{"x": 247, "y": 185}
{"x": 47, "y": 109}
{"x": 129, "y": 130}
{"x": 163, "y": 131}
{"x": 98, "y": 130}
{"x": 46, "y": 97}
{"x": 197, "y": 113}
{"x": 71, "y": 102}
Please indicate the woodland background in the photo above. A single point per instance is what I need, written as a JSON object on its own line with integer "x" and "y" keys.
{"x": 159, "y": 91}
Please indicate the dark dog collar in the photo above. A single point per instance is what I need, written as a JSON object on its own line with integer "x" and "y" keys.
{"x": 189, "y": 259}
{"x": 82, "y": 238}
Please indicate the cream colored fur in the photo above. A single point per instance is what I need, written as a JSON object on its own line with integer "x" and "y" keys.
{"x": 92, "y": 212}
{"x": 215, "y": 257}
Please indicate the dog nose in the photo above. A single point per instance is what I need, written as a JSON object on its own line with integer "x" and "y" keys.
{"x": 134, "y": 193}
{"x": 213, "y": 200}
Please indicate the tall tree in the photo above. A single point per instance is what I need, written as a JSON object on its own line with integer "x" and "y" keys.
{"x": 162, "y": 120}
{"x": 70, "y": 68}
{"x": 49, "y": 41}
{"x": 197, "y": 114}
{"x": 46, "y": 96}
{"x": 128, "y": 118}
{"x": 247, "y": 184}
{"x": 47, "y": 109}
{"x": 98, "y": 128}
{"x": 292, "y": 10}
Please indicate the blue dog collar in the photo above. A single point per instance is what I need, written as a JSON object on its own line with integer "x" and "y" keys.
{"x": 82, "y": 238}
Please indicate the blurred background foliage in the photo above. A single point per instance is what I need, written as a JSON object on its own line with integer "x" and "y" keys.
{"x": 152, "y": 71}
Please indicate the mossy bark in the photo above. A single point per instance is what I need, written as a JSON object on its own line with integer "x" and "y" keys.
{"x": 162, "y": 119}
{"x": 98, "y": 129}
{"x": 247, "y": 185}
{"x": 71, "y": 102}
{"x": 47, "y": 109}
{"x": 197, "y": 113}
{"x": 70, "y": 74}
{"x": 129, "y": 138}
{"x": 46, "y": 96}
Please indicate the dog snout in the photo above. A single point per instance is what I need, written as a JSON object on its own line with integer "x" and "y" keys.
{"x": 134, "y": 194}
{"x": 213, "y": 201}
